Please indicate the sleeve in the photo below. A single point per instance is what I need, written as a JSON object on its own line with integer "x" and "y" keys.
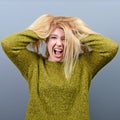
{"x": 15, "y": 48}
{"x": 103, "y": 51}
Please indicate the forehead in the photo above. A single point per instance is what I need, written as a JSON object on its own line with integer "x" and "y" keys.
{"x": 58, "y": 31}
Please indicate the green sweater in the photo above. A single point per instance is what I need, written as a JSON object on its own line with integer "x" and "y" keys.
{"x": 52, "y": 97}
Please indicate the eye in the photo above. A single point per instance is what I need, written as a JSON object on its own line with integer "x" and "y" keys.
{"x": 53, "y": 37}
{"x": 63, "y": 39}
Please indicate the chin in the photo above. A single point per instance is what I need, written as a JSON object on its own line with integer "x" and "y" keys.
{"x": 55, "y": 59}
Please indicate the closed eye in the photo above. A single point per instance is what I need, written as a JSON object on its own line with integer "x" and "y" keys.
{"x": 63, "y": 39}
{"x": 53, "y": 37}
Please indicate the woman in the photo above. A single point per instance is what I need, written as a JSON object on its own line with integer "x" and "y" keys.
{"x": 59, "y": 80}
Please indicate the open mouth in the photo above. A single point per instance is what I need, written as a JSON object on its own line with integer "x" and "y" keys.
{"x": 58, "y": 52}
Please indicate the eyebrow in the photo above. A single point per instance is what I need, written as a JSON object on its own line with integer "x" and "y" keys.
{"x": 53, "y": 35}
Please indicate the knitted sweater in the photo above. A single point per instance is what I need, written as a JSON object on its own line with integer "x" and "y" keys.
{"x": 52, "y": 97}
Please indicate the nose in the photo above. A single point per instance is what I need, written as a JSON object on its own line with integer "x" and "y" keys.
{"x": 59, "y": 42}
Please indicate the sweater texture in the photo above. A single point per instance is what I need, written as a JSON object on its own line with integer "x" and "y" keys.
{"x": 52, "y": 97}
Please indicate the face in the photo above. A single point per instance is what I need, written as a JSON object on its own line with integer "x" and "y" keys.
{"x": 55, "y": 45}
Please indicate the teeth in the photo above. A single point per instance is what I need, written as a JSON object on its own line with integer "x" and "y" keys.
{"x": 58, "y": 50}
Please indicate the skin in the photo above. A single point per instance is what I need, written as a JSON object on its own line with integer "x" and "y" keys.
{"x": 55, "y": 45}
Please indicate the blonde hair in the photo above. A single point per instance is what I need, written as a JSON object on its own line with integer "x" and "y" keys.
{"x": 75, "y": 30}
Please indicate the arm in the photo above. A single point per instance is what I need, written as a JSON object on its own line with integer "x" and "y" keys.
{"x": 103, "y": 51}
{"x": 15, "y": 48}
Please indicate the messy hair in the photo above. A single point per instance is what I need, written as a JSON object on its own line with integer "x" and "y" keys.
{"x": 75, "y": 30}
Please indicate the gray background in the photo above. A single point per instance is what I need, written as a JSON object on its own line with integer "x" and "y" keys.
{"x": 102, "y": 16}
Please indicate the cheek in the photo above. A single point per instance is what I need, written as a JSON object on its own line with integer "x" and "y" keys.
{"x": 50, "y": 44}
{"x": 64, "y": 45}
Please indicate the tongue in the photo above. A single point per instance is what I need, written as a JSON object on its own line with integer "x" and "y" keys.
{"x": 57, "y": 53}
